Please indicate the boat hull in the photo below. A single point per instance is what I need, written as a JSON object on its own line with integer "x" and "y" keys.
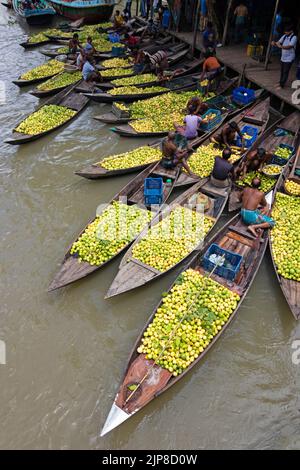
{"x": 39, "y": 20}
{"x": 91, "y": 14}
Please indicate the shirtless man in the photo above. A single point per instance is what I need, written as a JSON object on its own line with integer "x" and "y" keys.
{"x": 254, "y": 161}
{"x": 252, "y": 199}
{"x": 227, "y": 136}
{"x": 173, "y": 156}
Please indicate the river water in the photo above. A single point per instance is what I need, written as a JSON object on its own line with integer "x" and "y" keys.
{"x": 66, "y": 351}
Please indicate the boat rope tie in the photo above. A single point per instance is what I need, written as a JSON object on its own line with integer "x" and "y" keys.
{"x": 219, "y": 263}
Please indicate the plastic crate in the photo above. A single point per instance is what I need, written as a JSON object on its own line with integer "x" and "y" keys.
{"x": 243, "y": 95}
{"x": 207, "y": 126}
{"x": 153, "y": 191}
{"x": 276, "y": 160}
{"x": 234, "y": 259}
{"x": 253, "y": 131}
{"x": 222, "y": 104}
{"x": 117, "y": 51}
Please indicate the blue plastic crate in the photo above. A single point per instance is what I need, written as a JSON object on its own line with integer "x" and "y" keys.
{"x": 234, "y": 259}
{"x": 153, "y": 191}
{"x": 276, "y": 160}
{"x": 253, "y": 131}
{"x": 207, "y": 126}
{"x": 243, "y": 95}
{"x": 117, "y": 51}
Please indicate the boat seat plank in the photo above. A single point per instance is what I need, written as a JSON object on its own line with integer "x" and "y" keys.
{"x": 146, "y": 266}
{"x": 242, "y": 232}
{"x": 241, "y": 239}
{"x": 74, "y": 101}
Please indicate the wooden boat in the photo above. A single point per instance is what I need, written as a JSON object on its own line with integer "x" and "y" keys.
{"x": 95, "y": 171}
{"x": 173, "y": 59}
{"x": 269, "y": 141}
{"x": 176, "y": 85}
{"x": 31, "y": 45}
{"x": 36, "y": 16}
{"x": 73, "y": 270}
{"x": 127, "y": 130}
{"x": 148, "y": 380}
{"x": 257, "y": 116}
{"x": 45, "y": 93}
{"x": 93, "y": 11}
{"x": 21, "y": 82}
{"x": 187, "y": 68}
{"x": 68, "y": 98}
{"x": 290, "y": 288}
{"x": 133, "y": 273}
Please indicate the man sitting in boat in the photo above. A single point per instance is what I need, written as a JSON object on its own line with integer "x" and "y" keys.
{"x": 255, "y": 218}
{"x": 118, "y": 20}
{"x": 131, "y": 41}
{"x": 89, "y": 47}
{"x": 228, "y": 135}
{"x": 174, "y": 156}
{"x": 89, "y": 73}
{"x": 222, "y": 170}
{"x": 254, "y": 161}
{"x": 197, "y": 106}
{"x": 157, "y": 62}
{"x": 74, "y": 44}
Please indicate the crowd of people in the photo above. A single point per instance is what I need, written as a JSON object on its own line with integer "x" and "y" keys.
{"x": 176, "y": 146}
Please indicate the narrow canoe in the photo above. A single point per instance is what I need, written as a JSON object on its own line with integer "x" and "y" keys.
{"x": 127, "y": 130}
{"x": 72, "y": 270}
{"x": 45, "y": 93}
{"x": 257, "y": 115}
{"x": 185, "y": 83}
{"x": 21, "y": 82}
{"x": 31, "y": 45}
{"x": 269, "y": 141}
{"x": 68, "y": 98}
{"x": 133, "y": 273}
{"x": 96, "y": 171}
{"x": 290, "y": 288}
{"x": 148, "y": 380}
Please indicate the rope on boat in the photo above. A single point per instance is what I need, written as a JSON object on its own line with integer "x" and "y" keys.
{"x": 172, "y": 334}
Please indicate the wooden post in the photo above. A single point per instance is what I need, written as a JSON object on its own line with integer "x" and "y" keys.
{"x": 196, "y": 23}
{"x": 271, "y": 35}
{"x": 226, "y": 22}
{"x": 137, "y": 8}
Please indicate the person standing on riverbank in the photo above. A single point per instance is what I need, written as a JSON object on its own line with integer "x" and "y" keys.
{"x": 287, "y": 43}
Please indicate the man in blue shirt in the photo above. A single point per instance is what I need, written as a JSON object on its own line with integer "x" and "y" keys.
{"x": 287, "y": 43}
{"x": 209, "y": 37}
{"x": 89, "y": 72}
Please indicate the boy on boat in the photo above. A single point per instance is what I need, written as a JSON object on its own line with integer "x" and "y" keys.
{"x": 118, "y": 20}
{"x": 192, "y": 123}
{"x": 228, "y": 135}
{"x": 211, "y": 67}
{"x": 173, "y": 155}
{"x": 256, "y": 219}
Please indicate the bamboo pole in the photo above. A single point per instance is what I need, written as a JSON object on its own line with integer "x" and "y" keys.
{"x": 226, "y": 22}
{"x": 197, "y": 14}
{"x": 271, "y": 35}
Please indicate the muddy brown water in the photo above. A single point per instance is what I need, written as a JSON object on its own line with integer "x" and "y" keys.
{"x": 66, "y": 351}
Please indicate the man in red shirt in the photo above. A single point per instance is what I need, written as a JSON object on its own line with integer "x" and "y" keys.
{"x": 211, "y": 67}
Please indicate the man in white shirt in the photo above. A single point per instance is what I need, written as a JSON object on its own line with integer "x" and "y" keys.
{"x": 287, "y": 43}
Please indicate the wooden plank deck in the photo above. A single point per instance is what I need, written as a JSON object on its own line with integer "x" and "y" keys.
{"x": 235, "y": 57}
